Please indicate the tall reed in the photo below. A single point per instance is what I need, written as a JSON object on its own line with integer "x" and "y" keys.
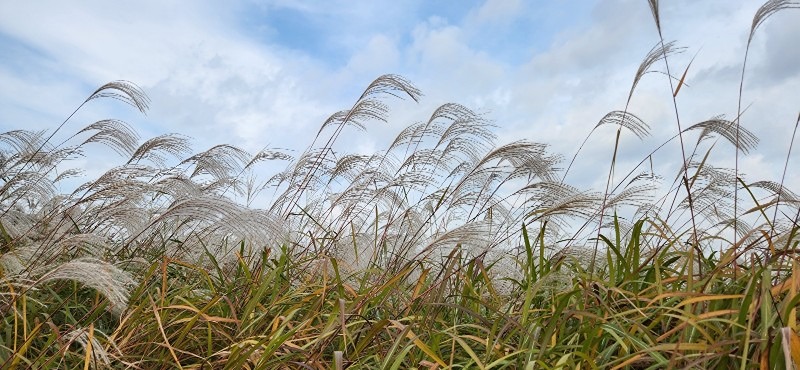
{"x": 445, "y": 249}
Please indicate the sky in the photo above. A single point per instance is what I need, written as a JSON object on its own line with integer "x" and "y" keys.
{"x": 266, "y": 74}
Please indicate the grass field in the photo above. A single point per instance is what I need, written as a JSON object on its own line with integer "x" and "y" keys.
{"x": 443, "y": 250}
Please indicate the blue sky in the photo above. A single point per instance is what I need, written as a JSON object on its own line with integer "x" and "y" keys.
{"x": 267, "y": 73}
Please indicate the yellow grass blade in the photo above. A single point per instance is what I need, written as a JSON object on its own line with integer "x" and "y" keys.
{"x": 705, "y": 298}
{"x": 88, "y": 359}
{"x": 683, "y": 78}
{"x": 164, "y": 334}
{"x": 420, "y": 344}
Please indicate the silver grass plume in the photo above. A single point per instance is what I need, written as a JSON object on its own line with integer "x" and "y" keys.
{"x": 110, "y": 281}
{"x": 124, "y": 91}
{"x": 115, "y": 134}
{"x": 660, "y": 51}
{"x": 157, "y": 149}
{"x": 220, "y": 162}
{"x": 627, "y": 120}
{"x": 747, "y": 141}
{"x": 768, "y": 9}
{"x": 100, "y": 356}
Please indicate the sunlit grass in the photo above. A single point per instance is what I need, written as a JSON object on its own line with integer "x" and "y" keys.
{"x": 444, "y": 250}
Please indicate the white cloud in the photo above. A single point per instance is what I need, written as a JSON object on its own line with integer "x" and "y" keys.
{"x": 498, "y": 10}
{"x": 379, "y": 56}
{"x": 206, "y": 80}
{"x": 212, "y": 78}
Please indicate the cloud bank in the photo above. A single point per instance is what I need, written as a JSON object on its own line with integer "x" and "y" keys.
{"x": 267, "y": 73}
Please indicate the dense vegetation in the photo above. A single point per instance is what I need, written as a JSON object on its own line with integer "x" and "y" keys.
{"x": 444, "y": 250}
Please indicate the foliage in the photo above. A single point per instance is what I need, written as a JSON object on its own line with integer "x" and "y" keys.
{"x": 444, "y": 250}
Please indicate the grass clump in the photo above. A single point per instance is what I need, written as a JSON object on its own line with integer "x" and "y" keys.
{"x": 444, "y": 250}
